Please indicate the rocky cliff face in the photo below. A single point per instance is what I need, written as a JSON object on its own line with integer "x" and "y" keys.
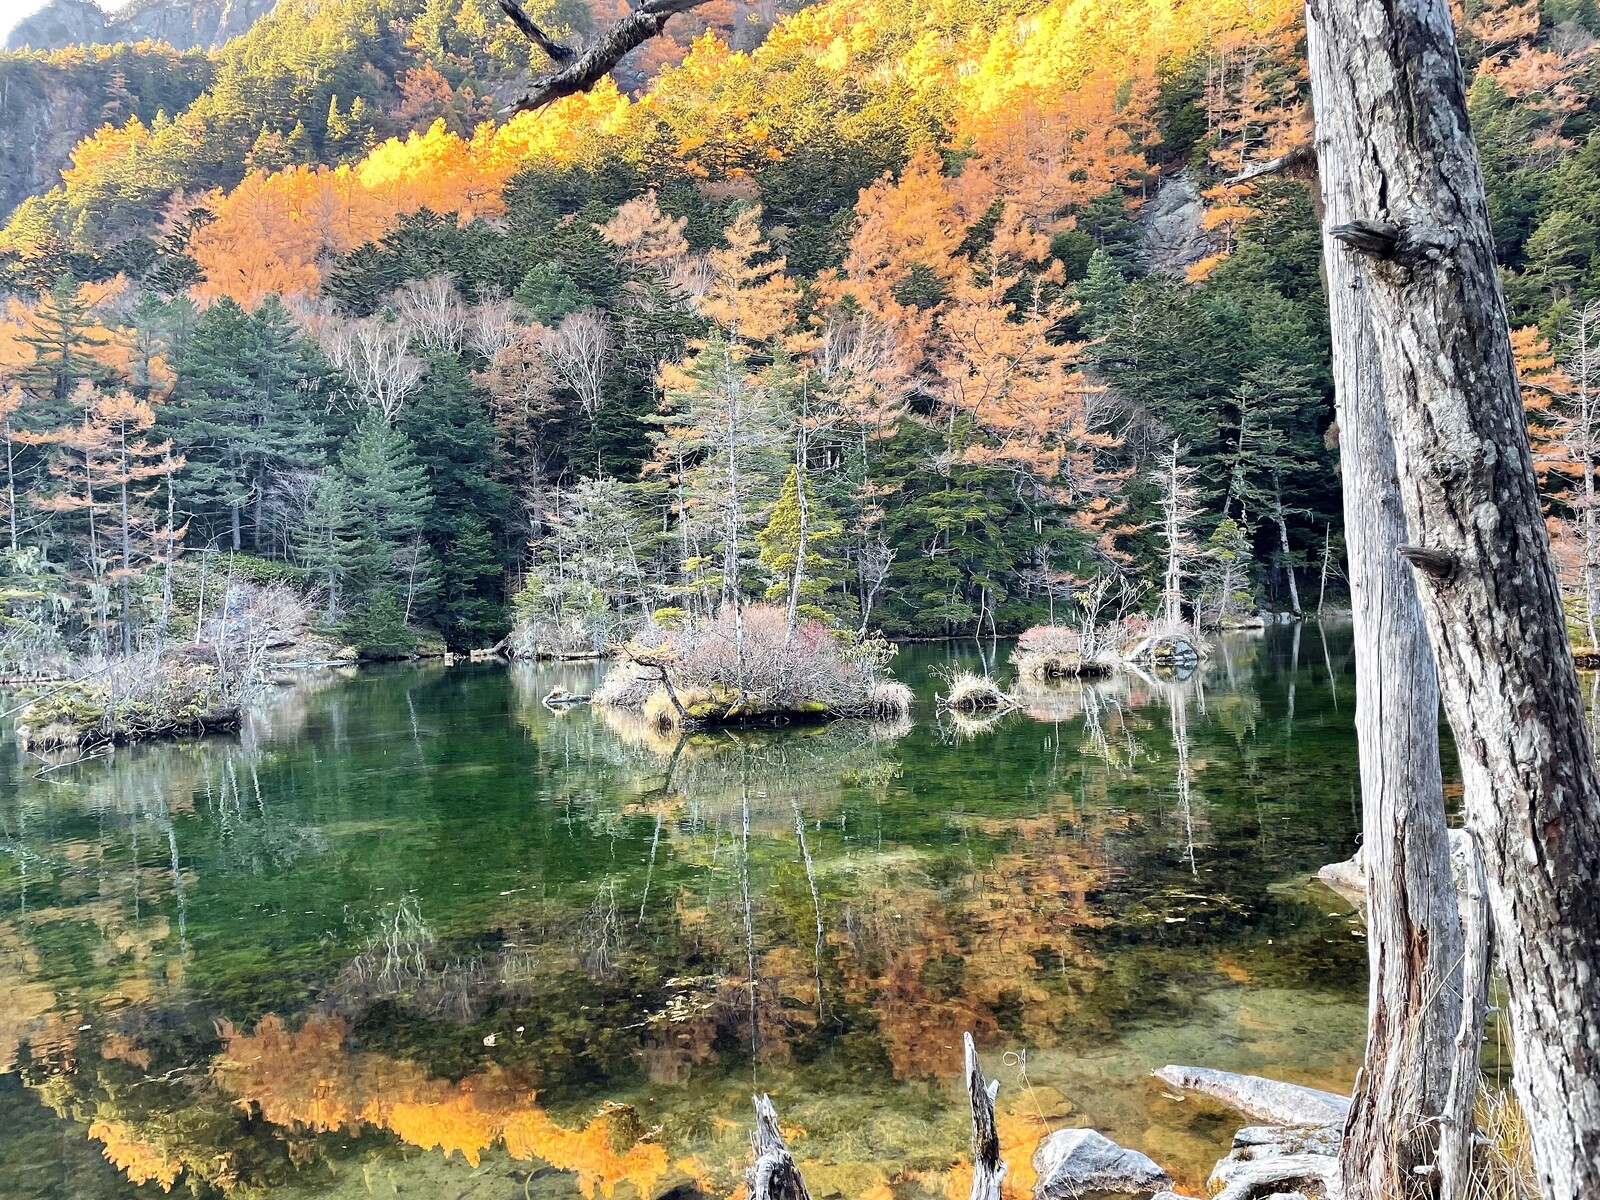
{"x": 47, "y": 106}
{"x": 184, "y": 24}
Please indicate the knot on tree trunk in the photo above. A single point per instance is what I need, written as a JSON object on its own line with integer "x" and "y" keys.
{"x": 1402, "y": 243}
{"x": 1430, "y": 560}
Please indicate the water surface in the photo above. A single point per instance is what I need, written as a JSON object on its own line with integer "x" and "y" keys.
{"x": 411, "y": 933}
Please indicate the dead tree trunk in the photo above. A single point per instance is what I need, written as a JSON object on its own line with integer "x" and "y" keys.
{"x": 988, "y": 1168}
{"x": 774, "y": 1175}
{"x": 1398, "y": 161}
{"x": 1457, "y": 1127}
{"x": 1413, "y": 931}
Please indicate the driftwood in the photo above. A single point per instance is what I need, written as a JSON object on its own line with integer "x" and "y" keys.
{"x": 988, "y": 1168}
{"x": 579, "y": 70}
{"x": 774, "y": 1175}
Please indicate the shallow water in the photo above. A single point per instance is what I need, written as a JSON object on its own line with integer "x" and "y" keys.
{"x": 414, "y": 934}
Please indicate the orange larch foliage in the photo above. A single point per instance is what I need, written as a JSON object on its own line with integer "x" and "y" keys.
{"x": 1542, "y": 380}
{"x": 749, "y": 296}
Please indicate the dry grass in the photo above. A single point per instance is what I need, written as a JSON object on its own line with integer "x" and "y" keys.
{"x": 1502, "y": 1165}
{"x": 971, "y": 693}
{"x": 891, "y": 700}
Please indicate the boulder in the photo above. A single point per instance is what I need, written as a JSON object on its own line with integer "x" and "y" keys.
{"x": 1076, "y": 1162}
{"x": 1264, "y": 1099}
{"x": 1274, "y": 1161}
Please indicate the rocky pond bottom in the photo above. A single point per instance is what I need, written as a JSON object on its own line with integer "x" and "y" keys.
{"x": 413, "y": 933}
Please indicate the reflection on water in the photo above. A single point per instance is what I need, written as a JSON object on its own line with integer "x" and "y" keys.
{"x": 414, "y": 933}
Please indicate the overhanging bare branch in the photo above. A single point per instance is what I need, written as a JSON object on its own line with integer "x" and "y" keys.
{"x": 580, "y": 71}
{"x": 554, "y": 51}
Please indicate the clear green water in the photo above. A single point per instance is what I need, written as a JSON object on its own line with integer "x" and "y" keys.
{"x": 412, "y": 934}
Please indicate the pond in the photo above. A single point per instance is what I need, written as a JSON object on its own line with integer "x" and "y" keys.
{"x": 412, "y": 933}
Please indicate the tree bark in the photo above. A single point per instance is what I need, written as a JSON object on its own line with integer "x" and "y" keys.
{"x": 1405, "y": 192}
{"x": 1413, "y": 931}
{"x": 988, "y": 1168}
{"x": 581, "y": 70}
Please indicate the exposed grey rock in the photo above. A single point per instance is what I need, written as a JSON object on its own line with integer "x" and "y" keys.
{"x": 60, "y": 23}
{"x": 1075, "y": 1162}
{"x": 1172, "y": 233}
{"x": 1264, "y": 1099}
{"x": 1296, "y": 1139}
{"x": 1250, "y": 1179}
{"x": 183, "y": 24}
{"x": 1269, "y": 1162}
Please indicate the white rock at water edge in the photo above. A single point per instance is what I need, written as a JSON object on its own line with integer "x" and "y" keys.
{"x": 1075, "y": 1162}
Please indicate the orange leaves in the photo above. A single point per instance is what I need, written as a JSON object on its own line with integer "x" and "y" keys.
{"x": 273, "y": 232}
{"x": 307, "y": 1080}
{"x": 750, "y": 296}
{"x": 1542, "y": 380}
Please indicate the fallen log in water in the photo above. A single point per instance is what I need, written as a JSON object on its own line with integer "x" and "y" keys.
{"x": 1264, "y": 1099}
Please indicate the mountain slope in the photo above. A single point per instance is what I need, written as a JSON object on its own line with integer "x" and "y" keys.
{"x": 183, "y": 24}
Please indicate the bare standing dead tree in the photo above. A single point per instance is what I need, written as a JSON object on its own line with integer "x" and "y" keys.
{"x": 1405, "y": 195}
{"x": 580, "y": 351}
{"x": 493, "y": 327}
{"x": 432, "y": 313}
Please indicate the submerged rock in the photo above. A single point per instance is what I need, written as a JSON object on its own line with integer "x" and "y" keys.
{"x": 1075, "y": 1162}
{"x": 1264, "y": 1099}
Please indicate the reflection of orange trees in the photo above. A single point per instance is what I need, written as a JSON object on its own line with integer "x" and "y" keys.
{"x": 307, "y": 1080}
{"x": 25, "y": 1003}
{"x": 144, "y": 1162}
{"x": 932, "y": 965}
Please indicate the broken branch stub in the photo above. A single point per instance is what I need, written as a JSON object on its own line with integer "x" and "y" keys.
{"x": 580, "y": 70}
{"x": 988, "y": 1168}
{"x": 774, "y": 1175}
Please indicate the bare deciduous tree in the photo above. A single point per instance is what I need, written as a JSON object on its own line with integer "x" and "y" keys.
{"x": 375, "y": 356}
{"x": 579, "y": 349}
{"x": 432, "y": 313}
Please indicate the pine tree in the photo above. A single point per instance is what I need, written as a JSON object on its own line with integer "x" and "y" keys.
{"x": 794, "y": 552}
{"x": 389, "y": 492}
{"x": 63, "y": 336}
{"x": 246, "y": 411}
{"x": 453, "y": 438}
{"x": 329, "y": 541}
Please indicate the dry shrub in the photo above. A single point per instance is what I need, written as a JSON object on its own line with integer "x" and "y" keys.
{"x": 805, "y": 671}
{"x": 1050, "y": 639}
{"x": 140, "y": 697}
{"x": 1055, "y": 652}
{"x": 627, "y": 686}
{"x": 785, "y": 671}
